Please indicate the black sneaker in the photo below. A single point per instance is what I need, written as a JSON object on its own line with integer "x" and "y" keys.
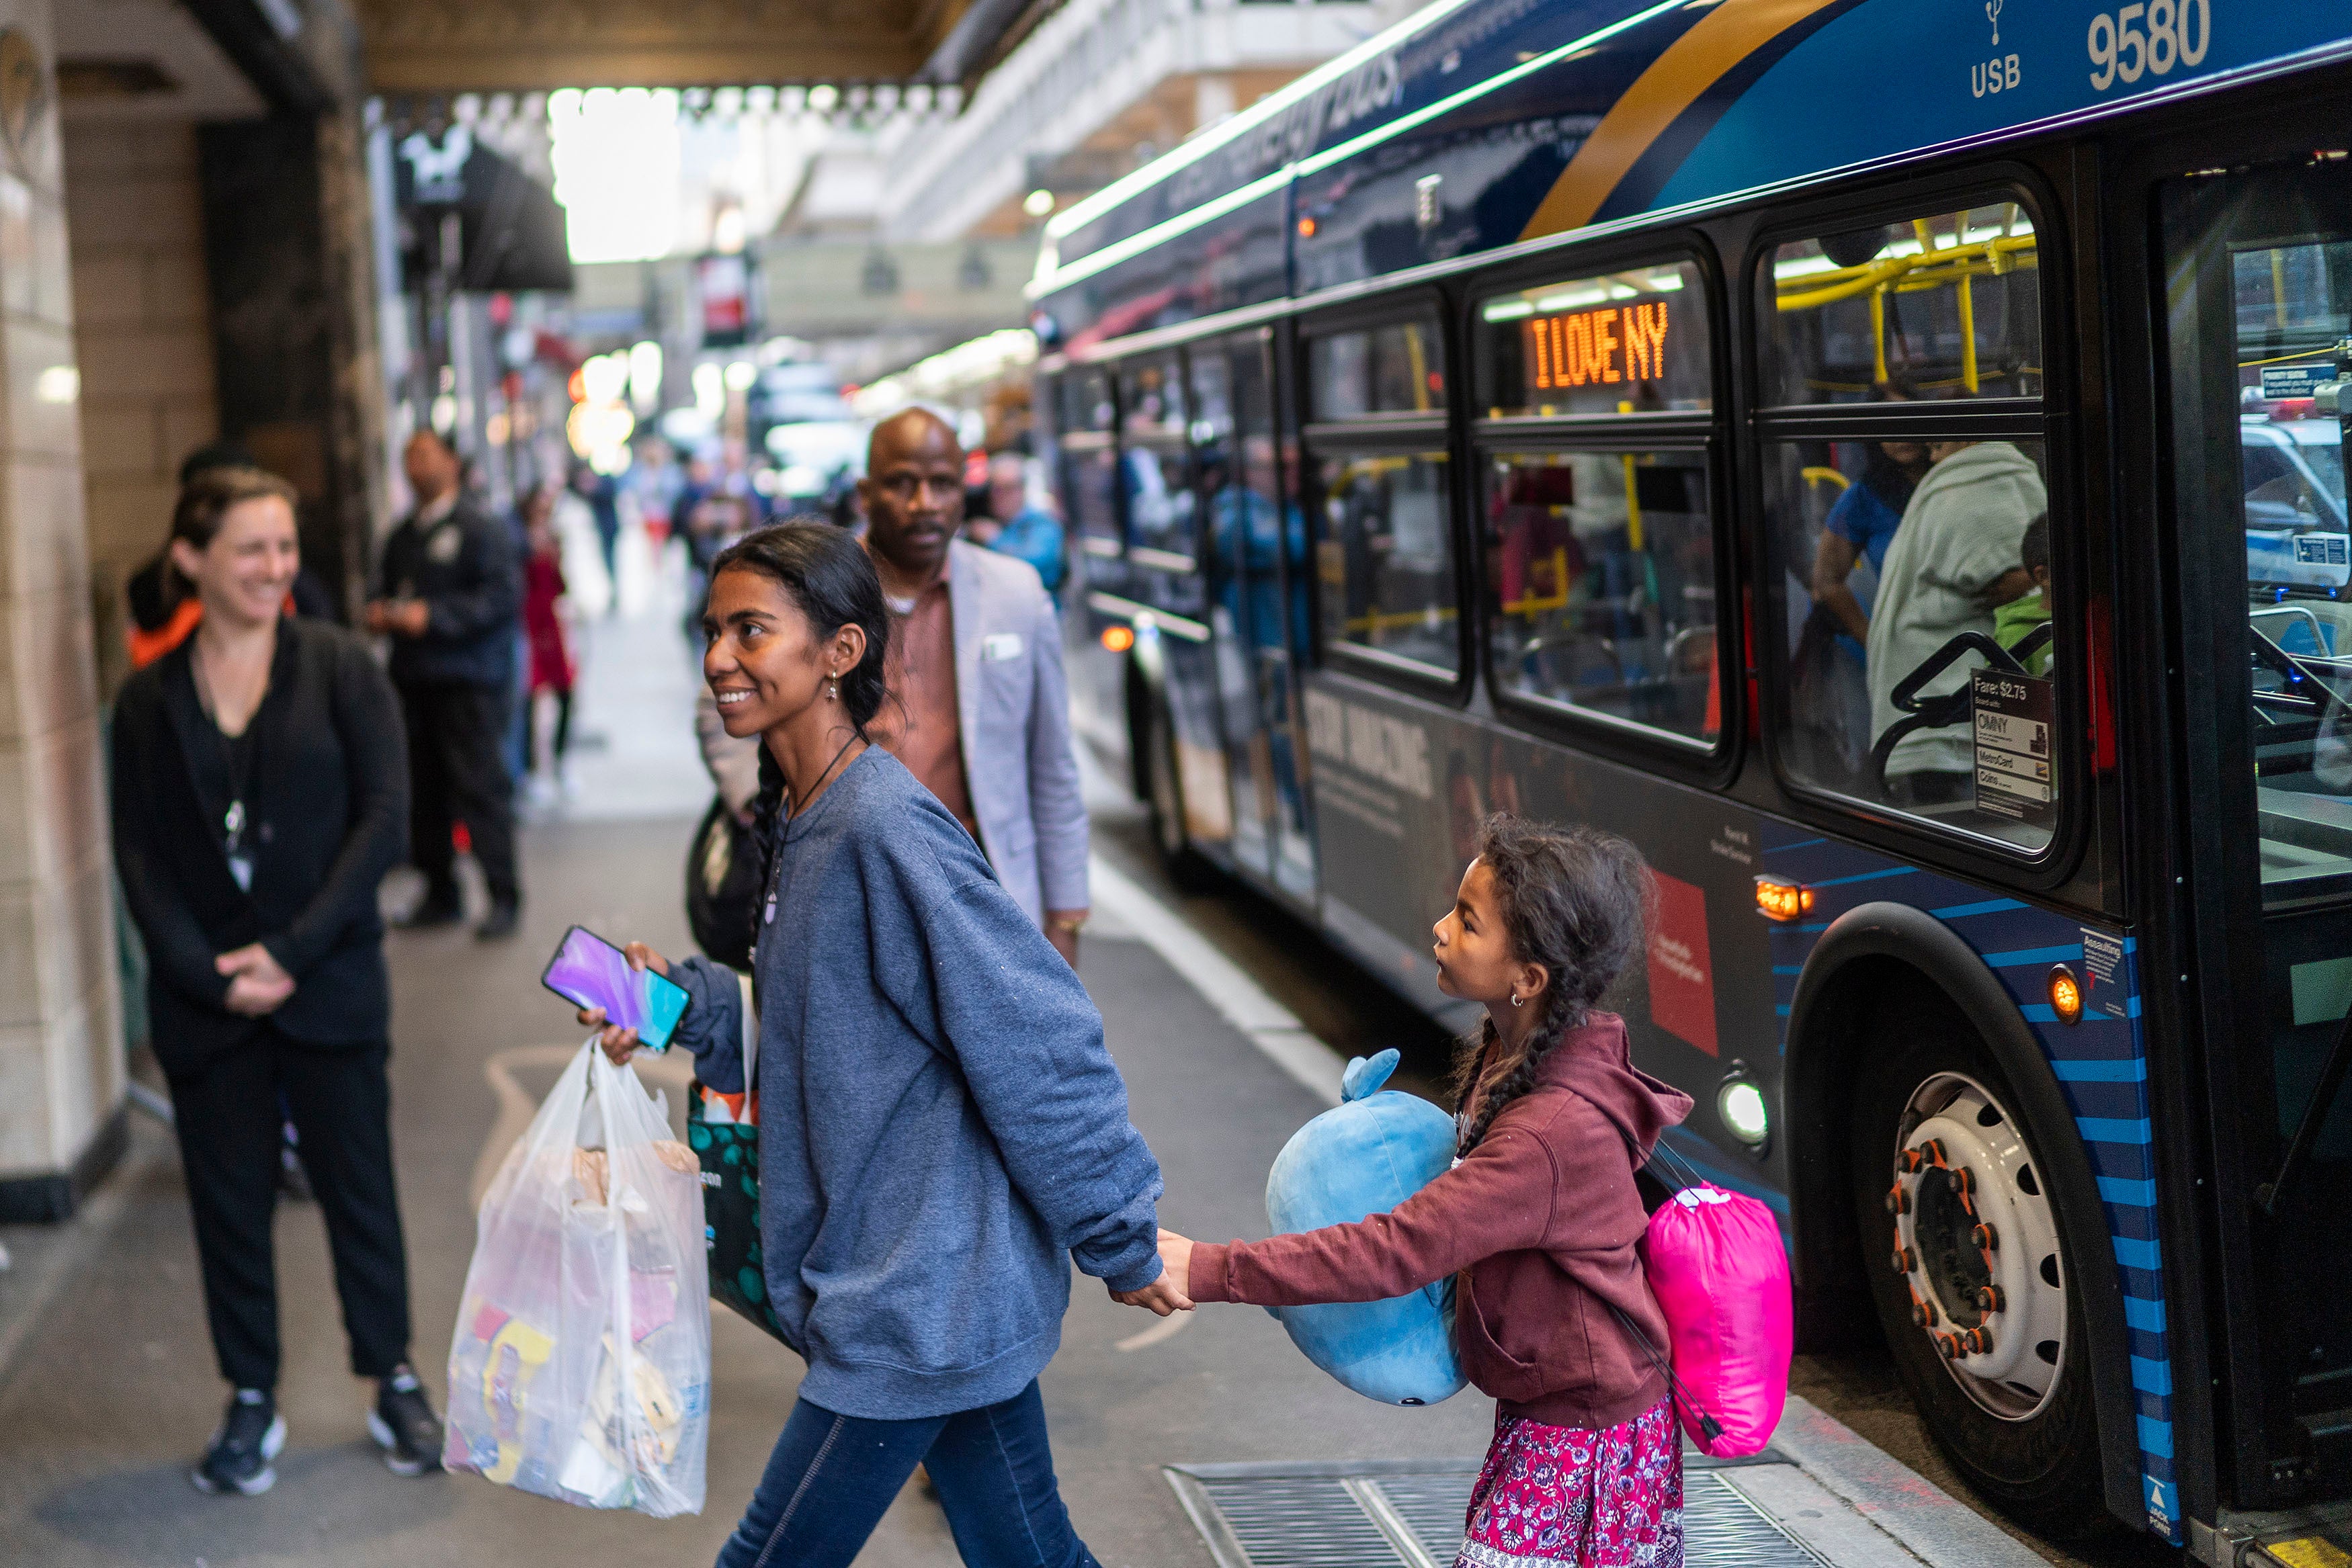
{"x": 405, "y": 1427}
{"x": 251, "y": 1434}
{"x": 434, "y": 913}
{"x": 500, "y": 923}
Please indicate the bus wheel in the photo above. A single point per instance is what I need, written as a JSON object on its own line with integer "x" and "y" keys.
{"x": 1184, "y": 865}
{"x": 1972, "y": 1277}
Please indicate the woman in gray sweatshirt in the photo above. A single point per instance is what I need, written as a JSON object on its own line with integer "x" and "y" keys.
{"x": 941, "y": 1128}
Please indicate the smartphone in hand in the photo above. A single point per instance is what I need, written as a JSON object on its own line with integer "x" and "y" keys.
{"x": 589, "y": 972}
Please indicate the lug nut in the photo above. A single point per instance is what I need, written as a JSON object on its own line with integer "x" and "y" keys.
{"x": 1949, "y": 1344}
{"x": 1898, "y": 1202}
{"x": 1932, "y": 1151}
{"x": 1985, "y": 1239}
{"x": 1904, "y": 1260}
{"x": 1908, "y": 1162}
{"x": 1979, "y": 1341}
{"x": 1964, "y": 1181}
{"x": 1989, "y": 1297}
{"x": 1922, "y": 1313}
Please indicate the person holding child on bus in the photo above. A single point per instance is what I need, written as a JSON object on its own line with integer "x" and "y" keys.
{"x": 2019, "y": 618}
{"x": 1953, "y": 560}
{"x": 1862, "y": 524}
{"x": 943, "y": 1130}
{"x": 1540, "y": 1215}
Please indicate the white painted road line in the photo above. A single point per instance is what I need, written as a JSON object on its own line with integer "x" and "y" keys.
{"x": 1225, "y": 985}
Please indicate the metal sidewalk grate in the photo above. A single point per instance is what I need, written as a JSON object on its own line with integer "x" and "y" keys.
{"x": 1407, "y": 1513}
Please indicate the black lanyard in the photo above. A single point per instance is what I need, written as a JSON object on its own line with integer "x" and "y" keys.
{"x": 239, "y": 763}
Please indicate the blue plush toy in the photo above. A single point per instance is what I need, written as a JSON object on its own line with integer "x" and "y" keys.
{"x": 1365, "y": 1156}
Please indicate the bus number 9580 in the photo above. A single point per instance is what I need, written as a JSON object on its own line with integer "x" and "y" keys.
{"x": 2177, "y": 33}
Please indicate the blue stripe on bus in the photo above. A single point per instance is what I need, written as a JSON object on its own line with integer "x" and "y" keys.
{"x": 2151, "y": 1376}
{"x": 2038, "y": 1012}
{"x": 2145, "y": 1316}
{"x": 1799, "y": 845}
{"x": 2134, "y": 1252}
{"x": 2099, "y": 1070}
{"x": 2156, "y": 1438}
{"x": 1962, "y": 911}
{"x": 1788, "y": 968}
{"x": 1867, "y": 877}
{"x": 2116, "y": 1189}
{"x": 1780, "y": 1010}
{"x": 2033, "y": 956}
{"x": 2115, "y": 1129}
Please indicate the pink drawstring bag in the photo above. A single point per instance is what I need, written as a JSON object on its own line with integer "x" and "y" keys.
{"x": 1720, "y": 1274}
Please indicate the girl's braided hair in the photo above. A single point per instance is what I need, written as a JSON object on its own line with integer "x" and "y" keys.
{"x": 831, "y": 581}
{"x": 1575, "y": 900}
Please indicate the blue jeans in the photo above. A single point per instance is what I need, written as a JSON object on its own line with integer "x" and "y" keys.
{"x": 832, "y": 1476}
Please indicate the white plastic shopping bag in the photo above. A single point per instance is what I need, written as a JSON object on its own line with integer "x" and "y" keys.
{"x": 581, "y": 1368}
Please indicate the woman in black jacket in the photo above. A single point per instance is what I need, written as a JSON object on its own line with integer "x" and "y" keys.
{"x": 260, "y": 794}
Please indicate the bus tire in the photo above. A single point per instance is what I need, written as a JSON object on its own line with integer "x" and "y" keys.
{"x": 1164, "y": 802}
{"x": 2001, "y": 1382}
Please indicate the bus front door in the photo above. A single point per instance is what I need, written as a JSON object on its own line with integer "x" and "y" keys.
{"x": 2258, "y": 275}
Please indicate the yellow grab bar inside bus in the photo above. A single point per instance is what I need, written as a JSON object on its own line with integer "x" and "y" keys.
{"x": 1382, "y": 620}
{"x": 1535, "y": 605}
{"x": 1825, "y": 477}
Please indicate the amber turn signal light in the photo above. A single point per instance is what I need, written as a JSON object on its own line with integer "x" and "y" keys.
{"x": 1119, "y": 638}
{"x": 2065, "y": 995}
{"x": 1780, "y": 900}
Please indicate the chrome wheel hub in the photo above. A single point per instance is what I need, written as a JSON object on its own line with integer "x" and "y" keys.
{"x": 1977, "y": 1245}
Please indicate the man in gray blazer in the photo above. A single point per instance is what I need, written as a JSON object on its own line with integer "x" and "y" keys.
{"x": 983, "y": 709}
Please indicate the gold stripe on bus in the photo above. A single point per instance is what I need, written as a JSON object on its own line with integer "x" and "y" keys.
{"x": 1676, "y": 79}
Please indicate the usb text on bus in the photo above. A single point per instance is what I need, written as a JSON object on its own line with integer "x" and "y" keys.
{"x": 1580, "y": 348}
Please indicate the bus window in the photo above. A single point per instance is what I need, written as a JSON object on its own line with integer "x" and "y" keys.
{"x": 1917, "y": 648}
{"x": 1386, "y": 558}
{"x": 1601, "y": 585}
{"x": 1089, "y": 465}
{"x": 1153, "y": 466}
{"x": 1395, "y": 369}
{"x": 1946, "y": 306}
{"x": 1630, "y": 343}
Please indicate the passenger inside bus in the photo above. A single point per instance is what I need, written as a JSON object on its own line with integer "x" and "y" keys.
{"x": 1604, "y": 578}
{"x": 1904, "y": 555}
{"x": 1954, "y": 559}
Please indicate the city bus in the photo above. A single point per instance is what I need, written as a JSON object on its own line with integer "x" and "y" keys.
{"x": 1885, "y": 458}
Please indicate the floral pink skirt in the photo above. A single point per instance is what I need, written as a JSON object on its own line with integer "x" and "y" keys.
{"x": 1610, "y": 1499}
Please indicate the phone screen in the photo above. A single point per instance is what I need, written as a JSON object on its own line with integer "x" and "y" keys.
{"x": 589, "y": 972}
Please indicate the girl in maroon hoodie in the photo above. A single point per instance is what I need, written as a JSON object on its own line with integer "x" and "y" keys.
{"x": 1539, "y": 1217}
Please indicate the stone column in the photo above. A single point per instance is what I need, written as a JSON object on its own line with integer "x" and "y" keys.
{"x": 61, "y": 1061}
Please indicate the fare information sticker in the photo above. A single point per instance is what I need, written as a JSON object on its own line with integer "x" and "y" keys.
{"x": 2013, "y": 716}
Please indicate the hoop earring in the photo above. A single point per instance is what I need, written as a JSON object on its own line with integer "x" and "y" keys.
{"x": 1518, "y": 1001}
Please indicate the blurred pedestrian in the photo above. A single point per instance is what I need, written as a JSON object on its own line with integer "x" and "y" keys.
{"x": 1025, "y": 530}
{"x": 260, "y": 794}
{"x": 603, "y": 501}
{"x": 545, "y": 611}
{"x": 943, "y": 1133}
{"x": 450, "y": 599}
{"x": 982, "y": 713}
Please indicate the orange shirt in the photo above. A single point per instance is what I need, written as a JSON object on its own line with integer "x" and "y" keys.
{"x": 920, "y": 727}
